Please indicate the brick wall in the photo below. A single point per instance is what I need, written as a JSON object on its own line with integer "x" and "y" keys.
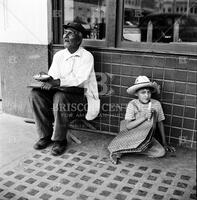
{"x": 177, "y": 75}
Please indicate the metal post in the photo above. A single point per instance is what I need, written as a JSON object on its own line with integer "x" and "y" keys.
{"x": 150, "y": 32}
{"x": 188, "y": 7}
{"x": 176, "y": 31}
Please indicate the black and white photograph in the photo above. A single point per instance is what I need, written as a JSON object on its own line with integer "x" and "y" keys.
{"x": 98, "y": 99}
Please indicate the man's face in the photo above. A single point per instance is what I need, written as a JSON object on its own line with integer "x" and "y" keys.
{"x": 144, "y": 95}
{"x": 71, "y": 38}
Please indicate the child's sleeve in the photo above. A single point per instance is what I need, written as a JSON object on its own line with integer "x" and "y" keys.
{"x": 160, "y": 113}
{"x": 130, "y": 112}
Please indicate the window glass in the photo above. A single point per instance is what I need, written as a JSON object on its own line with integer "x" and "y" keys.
{"x": 161, "y": 21}
{"x": 90, "y": 13}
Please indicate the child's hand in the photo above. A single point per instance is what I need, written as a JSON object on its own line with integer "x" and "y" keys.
{"x": 169, "y": 148}
{"x": 148, "y": 114}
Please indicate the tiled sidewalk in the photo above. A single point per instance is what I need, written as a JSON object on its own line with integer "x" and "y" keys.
{"x": 79, "y": 175}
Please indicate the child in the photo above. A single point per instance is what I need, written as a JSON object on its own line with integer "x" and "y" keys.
{"x": 137, "y": 130}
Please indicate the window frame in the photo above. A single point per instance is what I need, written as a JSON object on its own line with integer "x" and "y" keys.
{"x": 174, "y": 48}
{"x": 57, "y": 17}
{"x": 109, "y": 40}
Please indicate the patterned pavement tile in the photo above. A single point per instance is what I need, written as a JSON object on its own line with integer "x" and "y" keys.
{"x": 78, "y": 175}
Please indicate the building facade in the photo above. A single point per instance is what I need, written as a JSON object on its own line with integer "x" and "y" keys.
{"x": 124, "y": 44}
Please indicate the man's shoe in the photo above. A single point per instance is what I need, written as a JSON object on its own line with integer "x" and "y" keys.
{"x": 58, "y": 148}
{"x": 42, "y": 143}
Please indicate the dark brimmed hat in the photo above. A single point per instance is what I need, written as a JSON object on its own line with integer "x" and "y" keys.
{"x": 76, "y": 26}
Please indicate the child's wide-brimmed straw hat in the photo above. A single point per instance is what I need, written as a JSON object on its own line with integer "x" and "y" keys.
{"x": 143, "y": 82}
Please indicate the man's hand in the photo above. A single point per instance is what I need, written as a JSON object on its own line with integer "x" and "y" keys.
{"x": 148, "y": 114}
{"x": 50, "y": 84}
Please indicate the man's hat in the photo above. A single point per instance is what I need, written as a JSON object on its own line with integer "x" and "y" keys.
{"x": 143, "y": 82}
{"x": 76, "y": 26}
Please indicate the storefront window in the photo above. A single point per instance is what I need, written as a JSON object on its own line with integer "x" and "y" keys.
{"x": 160, "y": 21}
{"x": 90, "y": 13}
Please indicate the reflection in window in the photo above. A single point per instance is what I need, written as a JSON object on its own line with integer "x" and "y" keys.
{"x": 90, "y": 13}
{"x": 160, "y": 21}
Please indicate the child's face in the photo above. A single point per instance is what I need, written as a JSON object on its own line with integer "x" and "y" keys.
{"x": 144, "y": 95}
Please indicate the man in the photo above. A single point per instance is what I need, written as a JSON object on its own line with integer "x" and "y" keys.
{"x": 72, "y": 69}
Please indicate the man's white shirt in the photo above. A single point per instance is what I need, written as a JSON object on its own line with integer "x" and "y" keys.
{"x": 77, "y": 69}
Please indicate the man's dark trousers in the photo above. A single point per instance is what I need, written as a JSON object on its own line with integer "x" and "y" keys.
{"x": 53, "y": 110}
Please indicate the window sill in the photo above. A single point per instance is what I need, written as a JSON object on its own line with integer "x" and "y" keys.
{"x": 172, "y": 49}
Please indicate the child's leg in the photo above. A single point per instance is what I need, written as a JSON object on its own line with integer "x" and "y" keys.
{"x": 156, "y": 150}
